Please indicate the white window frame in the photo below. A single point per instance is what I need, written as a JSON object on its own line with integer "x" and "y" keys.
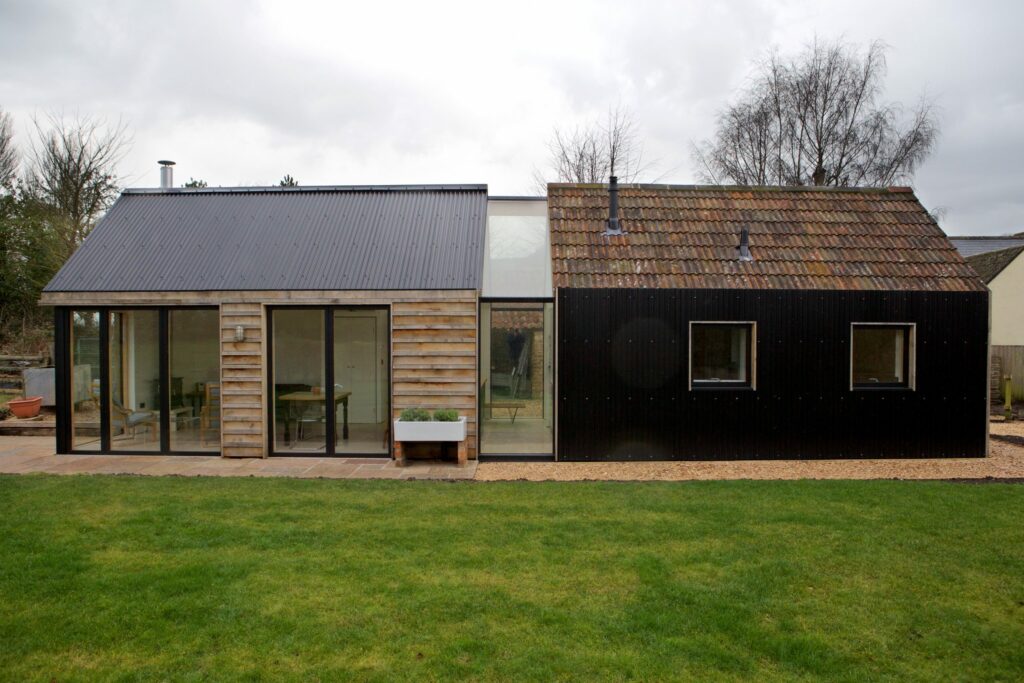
{"x": 911, "y": 352}
{"x": 722, "y": 386}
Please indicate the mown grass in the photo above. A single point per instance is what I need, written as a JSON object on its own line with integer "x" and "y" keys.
{"x": 126, "y": 578}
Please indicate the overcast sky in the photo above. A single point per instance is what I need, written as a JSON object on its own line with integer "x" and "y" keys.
{"x": 241, "y": 93}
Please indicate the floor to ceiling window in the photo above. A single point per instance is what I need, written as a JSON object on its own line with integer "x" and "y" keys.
{"x": 516, "y": 389}
{"x": 347, "y": 415}
{"x": 193, "y": 390}
{"x": 300, "y": 397}
{"x": 84, "y": 361}
{"x": 134, "y": 394}
{"x": 142, "y": 380}
{"x": 361, "y": 380}
{"x": 516, "y": 378}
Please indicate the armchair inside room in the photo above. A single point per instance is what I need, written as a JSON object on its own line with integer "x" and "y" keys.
{"x": 209, "y": 415}
{"x": 125, "y": 422}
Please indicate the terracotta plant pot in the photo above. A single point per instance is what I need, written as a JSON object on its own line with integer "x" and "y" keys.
{"x": 25, "y": 407}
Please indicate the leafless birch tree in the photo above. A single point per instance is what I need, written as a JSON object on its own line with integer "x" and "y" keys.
{"x": 816, "y": 119}
{"x": 591, "y": 153}
{"x": 72, "y": 170}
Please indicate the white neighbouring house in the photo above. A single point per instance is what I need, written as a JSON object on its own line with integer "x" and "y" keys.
{"x": 1002, "y": 271}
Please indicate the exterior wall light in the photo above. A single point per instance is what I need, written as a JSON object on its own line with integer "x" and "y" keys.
{"x": 239, "y": 333}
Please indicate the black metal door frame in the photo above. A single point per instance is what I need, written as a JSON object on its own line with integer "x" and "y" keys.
{"x": 331, "y": 408}
{"x": 554, "y": 379}
{"x": 63, "y": 378}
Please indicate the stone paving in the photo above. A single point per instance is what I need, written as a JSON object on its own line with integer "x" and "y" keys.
{"x": 26, "y": 454}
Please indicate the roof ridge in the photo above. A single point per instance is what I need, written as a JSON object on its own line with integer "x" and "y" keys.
{"x": 987, "y": 237}
{"x": 988, "y": 265}
{"x": 756, "y": 188}
{"x": 276, "y": 189}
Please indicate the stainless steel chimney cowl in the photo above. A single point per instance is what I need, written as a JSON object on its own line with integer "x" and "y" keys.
{"x": 166, "y": 174}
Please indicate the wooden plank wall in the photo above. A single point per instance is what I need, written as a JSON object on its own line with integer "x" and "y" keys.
{"x": 434, "y": 358}
{"x": 242, "y": 381}
{"x": 434, "y": 350}
{"x": 1010, "y": 361}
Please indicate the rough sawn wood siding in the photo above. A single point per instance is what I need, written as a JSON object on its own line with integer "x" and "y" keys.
{"x": 434, "y": 358}
{"x": 243, "y": 385}
{"x": 433, "y": 350}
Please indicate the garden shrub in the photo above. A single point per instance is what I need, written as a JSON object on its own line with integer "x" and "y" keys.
{"x": 415, "y": 415}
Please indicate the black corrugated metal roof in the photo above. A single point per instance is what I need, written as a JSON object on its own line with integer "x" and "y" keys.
{"x": 306, "y": 238}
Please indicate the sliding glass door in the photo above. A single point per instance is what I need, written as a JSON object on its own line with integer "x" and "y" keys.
{"x": 347, "y": 414}
{"x": 193, "y": 387}
{"x": 84, "y": 363}
{"x": 140, "y": 380}
{"x": 300, "y": 397}
{"x": 516, "y": 378}
{"x": 134, "y": 393}
{"x": 360, "y": 350}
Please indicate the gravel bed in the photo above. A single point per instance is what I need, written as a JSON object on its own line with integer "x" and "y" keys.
{"x": 1005, "y": 461}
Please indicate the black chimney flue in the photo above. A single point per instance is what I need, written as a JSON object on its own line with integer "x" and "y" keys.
{"x": 613, "y": 208}
{"x": 745, "y": 254}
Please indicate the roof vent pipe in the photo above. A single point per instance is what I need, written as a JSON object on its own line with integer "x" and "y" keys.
{"x": 613, "y": 208}
{"x": 166, "y": 174}
{"x": 745, "y": 254}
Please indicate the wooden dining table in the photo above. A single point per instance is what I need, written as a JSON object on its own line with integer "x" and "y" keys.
{"x": 299, "y": 401}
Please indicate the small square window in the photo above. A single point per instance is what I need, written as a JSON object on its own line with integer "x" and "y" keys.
{"x": 721, "y": 355}
{"x": 881, "y": 356}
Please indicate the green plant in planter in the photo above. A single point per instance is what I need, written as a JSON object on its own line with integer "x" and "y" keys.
{"x": 446, "y": 415}
{"x": 415, "y": 415}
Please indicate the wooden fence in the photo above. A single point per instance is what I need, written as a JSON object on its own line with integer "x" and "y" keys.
{"x": 1008, "y": 360}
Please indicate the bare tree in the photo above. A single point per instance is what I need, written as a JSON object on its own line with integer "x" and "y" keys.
{"x": 592, "y": 153}
{"x": 815, "y": 119}
{"x": 8, "y": 154}
{"x": 72, "y": 170}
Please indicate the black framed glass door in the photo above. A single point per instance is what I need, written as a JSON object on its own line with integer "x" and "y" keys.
{"x": 330, "y": 381}
{"x": 516, "y": 378}
{"x": 134, "y": 380}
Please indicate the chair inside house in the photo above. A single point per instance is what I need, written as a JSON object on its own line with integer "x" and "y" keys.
{"x": 209, "y": 416}
{"x": 125, "y": 423}
{"x": 512, "y": 406}
{"x": 310, "y": 421}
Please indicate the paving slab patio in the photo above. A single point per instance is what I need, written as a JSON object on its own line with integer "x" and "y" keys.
{"x": 28, "y": 454}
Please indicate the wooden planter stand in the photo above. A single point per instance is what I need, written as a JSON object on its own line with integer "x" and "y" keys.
{"x": 407, "y": 432}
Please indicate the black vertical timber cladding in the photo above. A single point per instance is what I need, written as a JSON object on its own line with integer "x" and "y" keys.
{"x": 623, "y": 377}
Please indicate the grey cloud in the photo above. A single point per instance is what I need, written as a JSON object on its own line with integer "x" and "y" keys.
{"x": 218, "y": 66}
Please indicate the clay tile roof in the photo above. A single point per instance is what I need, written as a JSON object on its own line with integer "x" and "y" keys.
{"x": 991, "y": 263}
{"x": 800, "y": 238}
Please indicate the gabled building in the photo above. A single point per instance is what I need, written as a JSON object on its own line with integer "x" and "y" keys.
{"x": 736, "y": 322}
{"x": 689, "y": 323}
{"x": 268, "y": 321}
{"x": 1002, "y": 272}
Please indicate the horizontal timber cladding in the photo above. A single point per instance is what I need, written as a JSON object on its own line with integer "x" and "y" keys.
{"x": 434, "y": 358}
{"x": 623, "y": 392}
{"x": 242, "y": 381}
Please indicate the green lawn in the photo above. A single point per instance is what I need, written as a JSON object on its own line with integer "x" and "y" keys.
{"x": 134, "y": 578}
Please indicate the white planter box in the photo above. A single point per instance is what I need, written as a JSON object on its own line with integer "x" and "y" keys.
{"x": 430, "y": 431}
